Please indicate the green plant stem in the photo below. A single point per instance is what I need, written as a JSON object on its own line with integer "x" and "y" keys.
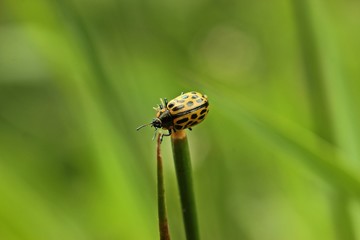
{"x": 320, "y": 104}
{"x": 184, "y": 177}
{"x": 163, "y": 223}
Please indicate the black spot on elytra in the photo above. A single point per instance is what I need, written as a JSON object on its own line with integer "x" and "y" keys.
{"x": 177, "y": 108}
{"x": 190, "y": 103}
{"x": 171, "y": 105}
{"x": 185, "y": 96}
{"x": 201, "y": 117}
{"x": 193, "y": 116}
{"x": 202, "y": 111}
{"x": 199, "y": 100}
{"x": 193, "y": 92}
{"x": 178, "y": 127}
{"x": 194, "y": 96}
{"x": 182, "y": 121}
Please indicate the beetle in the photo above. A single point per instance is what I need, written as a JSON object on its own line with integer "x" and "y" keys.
{"x": 182, "y": 112}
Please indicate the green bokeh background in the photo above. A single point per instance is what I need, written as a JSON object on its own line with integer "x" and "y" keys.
{"x": 277, "y": 157}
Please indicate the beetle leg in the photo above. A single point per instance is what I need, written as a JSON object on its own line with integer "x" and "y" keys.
{"x": 154, "y": 134}
{"x": 166, "y": 135}
{"x": 162, "y": 102}
{"x": 165, "y": 102}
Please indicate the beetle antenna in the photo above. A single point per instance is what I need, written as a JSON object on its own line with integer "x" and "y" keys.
{"x": 140, "y": 127}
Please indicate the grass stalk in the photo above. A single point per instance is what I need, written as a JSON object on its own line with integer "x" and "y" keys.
{"x": 163, "y": 223}
{"x": 320, "y": 105}
{"x": 184, "y": 178}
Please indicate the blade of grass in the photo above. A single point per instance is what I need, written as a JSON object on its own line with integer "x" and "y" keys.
{"x": 163, "y": 222}
{"x": 320, "y": 104}
{"x": 78, "y": 73}
{"x": 320, "y": 156}
{"x": 184, "y": 177}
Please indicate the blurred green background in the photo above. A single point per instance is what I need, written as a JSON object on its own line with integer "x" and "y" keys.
{"x": 276, "y": 158}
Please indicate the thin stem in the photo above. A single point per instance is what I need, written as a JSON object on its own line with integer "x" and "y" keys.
{"x": 163, "y": 223}
{"x": 184, "y": 177}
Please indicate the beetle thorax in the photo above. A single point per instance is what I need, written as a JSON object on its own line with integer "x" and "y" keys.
{"x": 166, "y": 119}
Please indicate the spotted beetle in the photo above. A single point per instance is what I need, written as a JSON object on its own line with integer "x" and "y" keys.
{"x": 182, "y": 112}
